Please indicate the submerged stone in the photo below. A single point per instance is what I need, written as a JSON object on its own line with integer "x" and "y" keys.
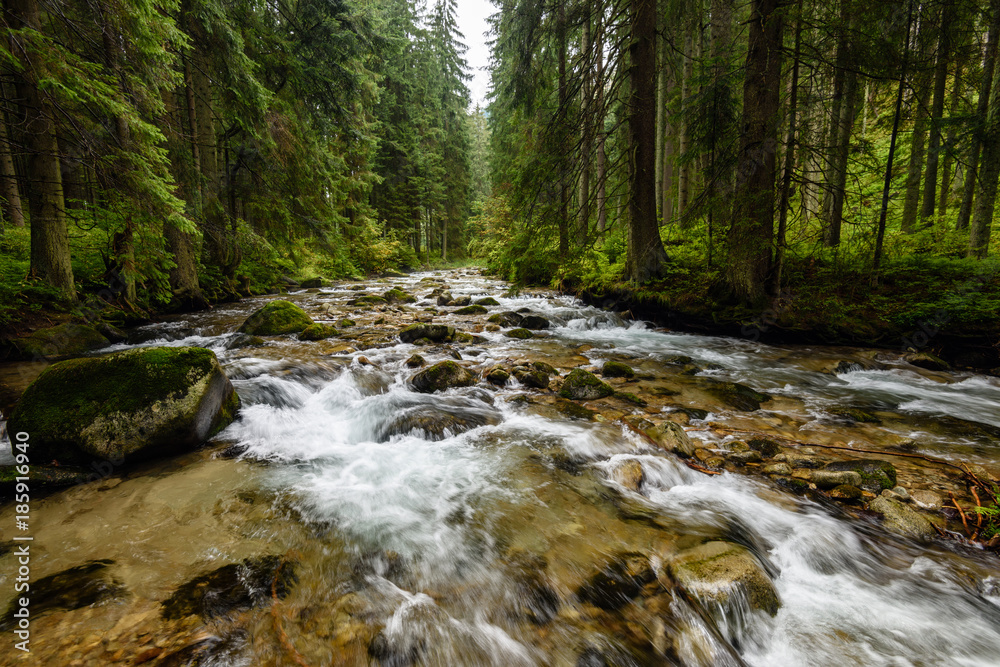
{"x": 276, "y": 318}
{"x": 736, "y": 395}
{"x": 234, "y": 587}
{"x": 580, "y": 385}
{"x": 618, "y": 583}
{"x": 74, "y": 588}
{"x": 855, "y": 415}
{"x": 441, "y": 376}
{"x": 721, "y": 573}
{"x": 128, "y": 405}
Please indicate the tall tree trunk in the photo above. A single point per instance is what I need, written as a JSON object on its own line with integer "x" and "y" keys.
{"x": 50, "y": 253}
{"x": 719, "y": 174}
{"x": 948, "y": 162}
{"x": 752, "y": 231}
{"x": 646, "y": 256}
{"x": 985, "y": 93}
{"x": 786, "y": 175}
{"x": 832, "y": 143}
{"x": 937, "y": 112}
{"x": 843, "y": 148}
{"x": 661, "y": 109}
{"x": 12, "y": 213}
{"x": 911, "y": 202}
{"x": 586, "y": 135}
{"x": 684, "y": 132}
{"x": 986, "y": 194}
{"x": 562, "y": 118}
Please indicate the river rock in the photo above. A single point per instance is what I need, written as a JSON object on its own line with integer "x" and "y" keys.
{"x": 530, "y": 377}
{"x": 128, "y": 405}
{"x": 234, "y": 587}
{"x": 461, "y": 301}
{"x": 580, "y": 385}
{"x": 718, "y": 572}
{"x": 846, "y": 493}
{"x": 628, "y": 473}
{"x": 311, "y": 282}
{"x": 276, "y": 318}
{"x": 927, "y": 361}
{"x": 544, "y": 367}
{"x": 827, "y": 479}
{"x": 472, "y": 310}
{"x": 534, "y": 322}
{"x": 46, "y": 477}
{"x": 415, "y": 361}
{"x": 927, "y": 500}
{"x": 63, "y": 340}
{"x": 738, "y": 396}
{"x": 616, "y": 369}
{"x": 667, "y": 434}
{"x": 749, "y": 456}
{"x": 444, "y": 298}
{"x": 487, "y": 301}
{"x": 346, "y": 323}
{"x": 766, "y": 447}
{"x": 855, "y": 415}
{"x": 520, "y": 334}
{"x": 875, "y": 474}
{"x": 441, "y": 376}
{"x": 778, "y": 469}
{"x": 899, "y": 493}
{"x": 900, "y": 519}
{"x": 315, "y": 332}
{"x": 437, "y": 333}
{"x": 396, "y": 295}
{"x": 497, "y": 376}
{"x": 508, "y": 318}
{"x": 436, "y": 422}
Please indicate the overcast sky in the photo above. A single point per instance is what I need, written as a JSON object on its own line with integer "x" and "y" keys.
{"x": 472, "y": 22}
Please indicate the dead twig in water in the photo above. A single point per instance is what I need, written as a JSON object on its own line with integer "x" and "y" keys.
{"x": 961, "y": 513}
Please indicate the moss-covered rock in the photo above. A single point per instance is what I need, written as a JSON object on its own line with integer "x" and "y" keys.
{"x": 901, "y": 519}
{"x": 312, "y": 282}
{"x": 125, "y": 406}
{"x": 927, "y": 361}
{"x": 461, "y": 301}
{"x": 736, "y": 395}
{"x": 438, "y": 333}
{"x": 616, "y": 369}
{"x": 444, "y": 298}
{"x": 574, "y": 410}
{"x": 875, "y": 474}
{"x": 497, "y": 376}
{"x": 631, "y": 398}
{"x": 415, "y": 361}
{"x": 472, "y": 310}
{"x": 61, "y": 341}
{"x": 346, "y": 323}
{"x": 855, "y": 415}
{"x": 508, "y": 318}
{"x": 45, "y": 477}
{"x": 531, "y": 377}
{"x": 396, "y": 295}
{"x": 520, "y": 334}
{"x": 441, "y": 376}
{"x": 368, "y": 300}
{"x": 846, "y": 493}
{"x": 580, "y": 385}
{"x": 488, "y": 301}
{"x": 544, "y": 367}
{"x": 667, "y": 435}
{"x": 318, "y": 332}
{"x": 724, "y": 573}
{"x": 534, "y": 322}
{"x": 276, "y": 318}
{"x": 765, "y": 446}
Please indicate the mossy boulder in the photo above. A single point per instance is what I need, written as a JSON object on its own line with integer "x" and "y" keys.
{"x": 875, "y": 474}
{"x": 441, "y": 376}
{"x": 544, "y": 367}
{"x": 396, "y": 295}
{"x": 488, "y": 301}
{"x": 437, "y": 333}
{"x": 722, "y": 573}
{"x": 318, "y": 332}
{"x": 61, "y": 341}
{"x": 508, "y": 318}
{"x": 346, "y": 323}
{"x": 126, "y": 406}
{"x": 737, "y": 396}
{"x": 275, "y": 319}
{"x": 497, "y": 376}
{"x": 415, "y": 361}
{"x": 531, "y": 377}
{"x": 616, "y": 369}
{"x": 368, "y": 300}
{"x": 534, "y": 322}
{"x": 580, "y": 385}
{"x": 901, "y": 519}
{"x": 667, "y": 435}
{"x": 311, "y": 283}
{"x": 520, "y": 334}
{"x": 471, "y": 310}
{"x": 927, "y": 361}
{"x": 461, "y": 301}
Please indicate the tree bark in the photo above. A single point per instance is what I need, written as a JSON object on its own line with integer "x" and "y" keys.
{"x": 561, "y": 119}
{"x": 948, "y": 162}
{"x": 646, "y": 255}
{"x": 50, "y": 253}
{"x": 786, "y": 176}
{"x": 911, "y": 202}
{"x": 986, "y": 190}
{"x": 12, "y": 212}
{"x": 937, "y": 111}
{"x": 586, "y": 138}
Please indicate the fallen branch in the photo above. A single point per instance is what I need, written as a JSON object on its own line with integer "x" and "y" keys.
{"x": 961, "y": 513}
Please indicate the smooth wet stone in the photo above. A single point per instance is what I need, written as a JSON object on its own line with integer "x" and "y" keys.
{"x": 435, "y": 423}
{"x": 778, "y": 469}
{"x": 396, "y": 295}
{"x": 59, "y": 341}
{"x": 616, "y": 369}
{"x": 230, "y": 588}
{"x": 846, "y": 493}
{"x": 721, "y": 572}
{"x": 875, "y": 474}
{"x": 530, "y": 377}
{"x": 827, "y": 479}
{"x": 276, "y": 318}
{"x": 666, "y": 435}
{"x": 415, "y": 361}
{"x": 800, "y": 461}
{"x": 155, "y": 401}
{"x": 444, "y": 298}
{"x": 580, "y": 385}
{"x": 497, "y": 376}
{"x": 74, "y": 588}
{"x": 618, "y": 582}
{"x": 534, "y": 322}
{"x": 746, "y": 457}
{"x": 899, "y": 493}
{"x": 315, "y": 332}
{"x": 735, "y": 395}
{"x": 927, "y": 361}
{"x": 487, "y": 301}
{"x": 628, "y": 473}
{"x": 507, "y": 318}
{"x": 544, "y": 367}
{"x": 435, "y": 333}
{"x": 520, "y": 334}
{"x": 927, "y": 500}
{"x": 492, "y": 328}
{"x": 472, "y": 310}
{"x": 441, "y": 376}
{"x": 735, "y": 446}
{"x": 901, "y": 519}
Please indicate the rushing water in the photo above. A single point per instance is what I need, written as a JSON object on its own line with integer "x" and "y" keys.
{"x": 441, "y": 548}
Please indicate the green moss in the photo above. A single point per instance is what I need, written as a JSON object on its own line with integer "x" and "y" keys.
{"x": 875, "y": 474}
{"x": 277, "y": 318}
{"x": 738, "y": 396}
{"x": 856, "y": 415}
{"x": 574, "y": 410}
{"x": 345, "y": 323}
{"x": 367, "y": 300}
{"x": 766, "y": 447}
{"x": 441, "y": 376}
{"x": 488, "y": 301}
{"x": 497, "y": 376}
{"x": 396, "y": 295}
{"x": 520, "y": 334}
{"x": 616, "y": 369}
{"x": 631, "y": 398}
{"x": 432, "y": 332}
{"x": 545, "y": 368}
{"x": 63, "y": 340}
{"x": 315, "y": 332}
{"x": 495, "y": 319}
{"x": 471, "y": 310}
{"x": 581, "y": 385}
